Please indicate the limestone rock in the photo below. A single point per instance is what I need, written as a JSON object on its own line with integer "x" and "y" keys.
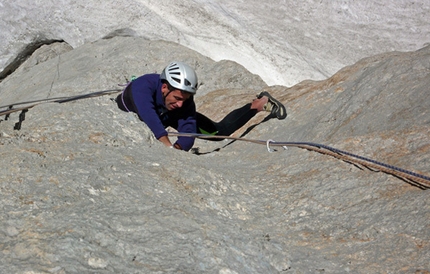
{"x": 84, "y": 187}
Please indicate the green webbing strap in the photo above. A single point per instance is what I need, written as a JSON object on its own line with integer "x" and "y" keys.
{"x": 207, "y": 133}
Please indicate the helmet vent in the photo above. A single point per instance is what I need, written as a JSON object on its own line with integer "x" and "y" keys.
{"x": 176, "y": 80}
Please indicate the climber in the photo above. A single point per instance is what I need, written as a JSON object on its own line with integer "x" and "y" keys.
{"x": 166, "y": 99}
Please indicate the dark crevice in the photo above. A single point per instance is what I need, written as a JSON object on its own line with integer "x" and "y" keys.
{"x": 25, "y": 54}
{"x": 125, "y": 32}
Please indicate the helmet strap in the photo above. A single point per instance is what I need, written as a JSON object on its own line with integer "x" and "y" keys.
{"x": 165, "y": 96}
{"x": 169, "y": 91}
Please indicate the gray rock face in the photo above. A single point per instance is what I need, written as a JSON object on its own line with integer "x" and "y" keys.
{"x": 85, "y": 188}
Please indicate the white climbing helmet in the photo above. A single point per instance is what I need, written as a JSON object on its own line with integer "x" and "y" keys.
{"x": 180, "y": 76}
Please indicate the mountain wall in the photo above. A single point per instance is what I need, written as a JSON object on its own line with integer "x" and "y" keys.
{"x": 85, "y": 188}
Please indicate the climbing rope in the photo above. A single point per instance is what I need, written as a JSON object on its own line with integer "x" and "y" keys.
{"x": 11, "y": 109}
{"x": 414, "y": 178}
{"x": 30, "y": 104}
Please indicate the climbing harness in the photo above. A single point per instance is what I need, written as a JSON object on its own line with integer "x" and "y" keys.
{"x": 122, "y": 98}
{"x": 416, "y": 179}
{"x": 126, "y": 86}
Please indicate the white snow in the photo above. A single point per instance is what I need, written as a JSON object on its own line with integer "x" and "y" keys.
{"x": 282, "y": 41}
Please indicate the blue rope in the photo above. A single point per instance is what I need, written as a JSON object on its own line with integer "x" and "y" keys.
{"x": 423, "y": 185}
{"x": 352, "y": 155}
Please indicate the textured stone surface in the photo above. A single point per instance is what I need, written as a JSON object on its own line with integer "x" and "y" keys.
{"x": 86, "y": 189}
{"x": 106, "y": 63}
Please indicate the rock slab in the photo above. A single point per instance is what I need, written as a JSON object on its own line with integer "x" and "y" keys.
{"x": 85, "y": 188}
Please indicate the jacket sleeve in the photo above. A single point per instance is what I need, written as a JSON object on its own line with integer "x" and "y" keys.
{"x": 187, "y": 124}
{"x": 143, "y": 91}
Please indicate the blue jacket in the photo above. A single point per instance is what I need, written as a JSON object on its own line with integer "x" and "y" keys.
{"x": 149, "y": 101}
